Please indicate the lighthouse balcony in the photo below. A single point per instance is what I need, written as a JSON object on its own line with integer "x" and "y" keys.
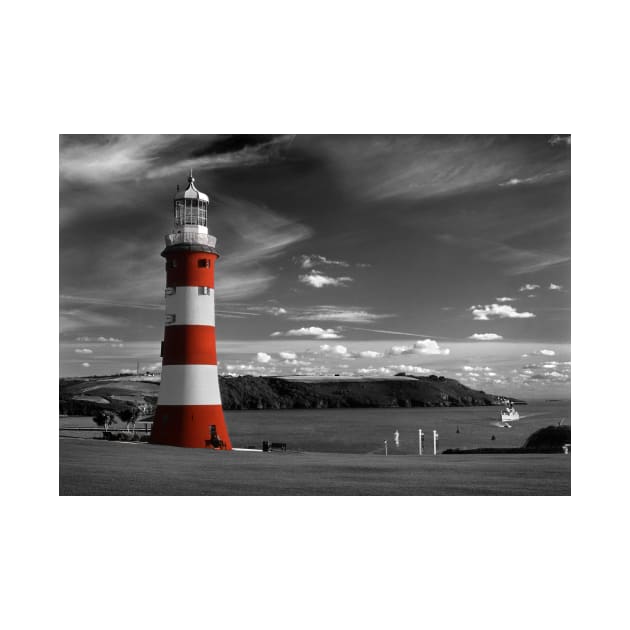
{"x": 176, "y": 238}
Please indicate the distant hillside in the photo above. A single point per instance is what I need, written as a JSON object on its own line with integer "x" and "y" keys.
{"x": 258, "y": 392}
{"x": 84, "y": 396}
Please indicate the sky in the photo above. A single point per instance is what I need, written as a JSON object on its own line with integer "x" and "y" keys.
{"x": 354, "y": 255}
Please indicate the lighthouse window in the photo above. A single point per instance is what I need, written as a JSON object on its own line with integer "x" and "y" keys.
{"x": 204, "y": 290}
{"x": 179, "y": 213}
{"x": 203, "y": 262}
{"x": 169, "y": 291}
{"x": 171, "y": 264}
{"x": 170, "y": 319}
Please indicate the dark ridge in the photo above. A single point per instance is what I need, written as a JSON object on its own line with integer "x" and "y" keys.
{"x": 262, "y": 392}
{"x": 546, "y": 440}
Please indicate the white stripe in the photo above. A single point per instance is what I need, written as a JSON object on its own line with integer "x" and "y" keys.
{"x": 190, "y": 308}
{"x": 189, "y": 385}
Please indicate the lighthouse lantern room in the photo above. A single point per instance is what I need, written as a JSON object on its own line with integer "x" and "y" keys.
{"x": 189, "y": 411}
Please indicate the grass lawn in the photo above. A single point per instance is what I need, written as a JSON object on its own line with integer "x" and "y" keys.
{"x": 96, "y": 467}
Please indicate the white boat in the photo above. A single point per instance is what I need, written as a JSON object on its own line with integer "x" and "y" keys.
{"x": 509, "y": 414}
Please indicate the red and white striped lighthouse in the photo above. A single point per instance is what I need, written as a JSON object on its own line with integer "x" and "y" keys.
{"x": 189, "y": 411}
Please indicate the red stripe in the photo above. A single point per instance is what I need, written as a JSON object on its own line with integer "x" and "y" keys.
{"x": 189, "y": 426}
{"x": 187, "y": 272}
{"x": 189, "y": 345}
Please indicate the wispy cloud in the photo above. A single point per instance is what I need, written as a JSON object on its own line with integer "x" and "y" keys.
{"x": 110, "y": 158}
{"x": 497, "y": 311}
{"x": 310, "y": 331}
{"x": 505, "y": 299}
{"x": 323, "y": 313}
{"x": 534, "y": 179}
{"x": 555, "y": 287}
{"x": 529, "y": 287}
{"x": 485, "y": 337}
{"x": 310, "y": 261}
{"x": 260, "y": 235}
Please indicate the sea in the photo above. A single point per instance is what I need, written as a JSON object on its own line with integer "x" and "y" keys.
{"x": 367, "y": 430}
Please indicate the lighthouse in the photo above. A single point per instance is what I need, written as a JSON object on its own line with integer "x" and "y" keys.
{"x": 189, "y": 411}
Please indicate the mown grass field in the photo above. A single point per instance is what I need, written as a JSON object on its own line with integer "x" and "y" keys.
{"x": 95, "y": 467}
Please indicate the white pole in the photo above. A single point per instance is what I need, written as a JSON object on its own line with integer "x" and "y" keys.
{"x": 435, "y": 438}
{"x": 385, "y": 448}
{"x": 419, "y": 441}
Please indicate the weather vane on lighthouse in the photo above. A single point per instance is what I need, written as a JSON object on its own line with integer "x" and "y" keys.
{"x": 189, "y": 411}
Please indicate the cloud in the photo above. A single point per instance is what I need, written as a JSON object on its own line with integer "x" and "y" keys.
{"x": 372, "y": 371}
{"x": 308, "y": 262}
{"x": 110, "y": 158}
{"x": 311, "y": 331}
{"x": 263, "y": 357}
{"x": 555, "y": 287}
{"x": 83, "y": 351}
{"x": 100, "y": 339}
{"x": 505, "y": 299}
{"x": 269, "y": 310}
{"x": 225, "y": 152}
{"x": 518, "y": 261}
{"x": 337, "y": 351}
{"x": 423, "y": 346}
{"x": 545, "y": 352}
{"x": 529, "y": 287}
{"x": 318, "y": 280}
{"x": 370, "y": 354}
{"x": 560, "y": 140}
{"x": 409, "y": 369}
{"x": 85, "y": 365}
{"x": 287, "y": 355}
{"x": 515, "y": 181}
{"x": 356, "y": 314}
{"x": 497, "y": 311}
{"x": 485, "y": 337}
{"x": 261, "y": 234}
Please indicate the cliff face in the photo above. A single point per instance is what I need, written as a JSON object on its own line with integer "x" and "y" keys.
{"x": 259, "y": 392}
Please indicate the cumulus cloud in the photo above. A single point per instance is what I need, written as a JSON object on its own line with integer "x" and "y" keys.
{"x": 263, "y": 357}
{"x": 423, "y": 346}
{"x": 85, "y": 365}
{"x": 337, "y": 351}
{"x": 529, "y": 287}
{"x": 555, "y": 287}
{"x": 545, "y": 352}
{"x": 497, "y": 311}
{"x": 83, "y": 351}
{"x": 318, "y": 280}
{"x": 370, "y": 354}
{"x": 505, "y": 299}
{"x": 308, "y": 262}
{"x": 287, "y": 355}
{"x": 485, "y": 337}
